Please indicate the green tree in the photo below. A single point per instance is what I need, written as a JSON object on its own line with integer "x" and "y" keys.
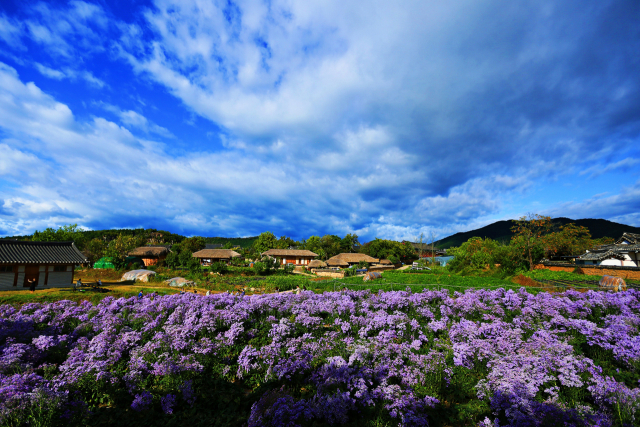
{"x": 65, "y": 233}
{"x": 313, "y": 244}
{"x": 94, "y": 249}
{"x": 264, "y": 242}
{"x": 381, "y": 248}
{"x": 570, "y": 240}
{"x": 119, "y": 248}
{"x": 475, "y": 253}
{"x": 331, "y": 245}
{"x": 228, "y": 245}
{"x": 348, "y": 242}
{"x": 530, "y": 234}
{"x": 192, "y": 244}
{"x": 285, "y": 242}
{"x": 194, "y": 265}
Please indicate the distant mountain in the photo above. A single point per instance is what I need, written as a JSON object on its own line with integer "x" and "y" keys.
{"x": 501, "y": 230}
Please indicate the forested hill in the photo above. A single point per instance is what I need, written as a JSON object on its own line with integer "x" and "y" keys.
{"x": 501, "y": 230}
{"x": 152, "y": 235}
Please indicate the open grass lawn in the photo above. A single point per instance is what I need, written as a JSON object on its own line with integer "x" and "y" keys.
{"x": 20, "y": 297}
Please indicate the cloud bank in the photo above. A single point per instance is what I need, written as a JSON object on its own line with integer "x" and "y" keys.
{"x": 232, "y": 118}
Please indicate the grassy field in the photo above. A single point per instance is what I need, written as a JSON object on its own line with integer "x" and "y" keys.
{"x": 20, "y": 297}
{"x": 243, "y": 279}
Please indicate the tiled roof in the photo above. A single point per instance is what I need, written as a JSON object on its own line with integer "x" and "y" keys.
{"x": 632, "y": 238}
{"x": 289, "y": 252}
{"x": 216, "y": 253}
{"x": 19, "y": 252}
{"x": 599, "y": 256}
{"x": 213, "y": 246}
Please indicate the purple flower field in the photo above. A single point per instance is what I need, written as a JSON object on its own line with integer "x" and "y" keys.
{"x": 479, "y": 358}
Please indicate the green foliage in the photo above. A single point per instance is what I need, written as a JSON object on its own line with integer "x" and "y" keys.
{"x": 387, "y": 249}
{"x": 194, "y": 265}
{"x": 264, "y": 242}
{"x": 266, "y": 266}
{"x": 530, "y": 234}
{"x": 119, "y": 248}
{"x": 94, "y": 249}
{"x": 219, "y": 267}
{"x": 192, "y": 244}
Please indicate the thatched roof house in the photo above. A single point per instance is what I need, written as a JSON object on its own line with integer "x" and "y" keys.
{"x": 150, "y": 255}
{"x": 45, "y": 263}
{"x": 316, "y": 263}
{"x": 291, "y": 256}
{"x": 350, "y": 259}
{"x": 336, "y": 262}
{"x": 385, "y": 262}
{"x": 208, "y": 256}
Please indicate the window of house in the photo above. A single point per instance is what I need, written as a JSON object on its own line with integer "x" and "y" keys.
{"x": 6, "y": 269}
{"x": 59, "y": 268}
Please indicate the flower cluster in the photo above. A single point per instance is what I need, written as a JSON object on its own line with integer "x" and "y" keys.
{"x": 515, "y": 358}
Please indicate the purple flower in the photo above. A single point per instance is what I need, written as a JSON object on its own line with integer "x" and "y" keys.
{"x": 167, "y": 403}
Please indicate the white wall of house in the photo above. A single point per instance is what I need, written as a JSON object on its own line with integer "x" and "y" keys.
{"x": 626, "y": 262}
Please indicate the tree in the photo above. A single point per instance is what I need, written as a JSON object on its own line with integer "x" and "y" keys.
{"x": 264, "y": 242}
{"x": 228, "y": 245}
{"x": 193, "y": 244}
{"x": 313, "y": 244}
{"x": 348, "y": 242}
{"x": 65, "y": 233}
{"x": 285, "y": 242}
{"x": 330, "y": 244}
{"x": 380, "y": 248}
{"x": 570, "y": 240}
{"x": 119, "y": 248}
{"x": 95, "y": 249}
{"x": 475, "y": 253}
{"x": 530, "y": 234}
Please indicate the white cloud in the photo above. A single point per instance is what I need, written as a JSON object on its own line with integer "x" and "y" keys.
{"x": 50, "y": 72}
{"x": 70, "y": 74}
{"x": 10, "y": 31}
{"x": 133, "y": 119}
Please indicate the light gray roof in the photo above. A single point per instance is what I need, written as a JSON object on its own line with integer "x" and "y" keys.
{"x": 599, "y": 256}
{"x": 19, "y": 252}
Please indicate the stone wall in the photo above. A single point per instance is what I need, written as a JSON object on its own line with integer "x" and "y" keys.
{"x": 330, "y": 273}
{"x": 632, "y": 273}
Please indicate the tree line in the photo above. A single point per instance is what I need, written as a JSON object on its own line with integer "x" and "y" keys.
{"x": 535, "y": 238}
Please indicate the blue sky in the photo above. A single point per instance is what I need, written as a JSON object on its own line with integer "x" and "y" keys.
{"x": 385, "y": 119}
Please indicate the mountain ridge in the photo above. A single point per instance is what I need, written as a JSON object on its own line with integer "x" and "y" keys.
{"x": 501, "y": 230}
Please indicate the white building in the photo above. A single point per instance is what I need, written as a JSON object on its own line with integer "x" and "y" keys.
{"x": 623, "y": 253}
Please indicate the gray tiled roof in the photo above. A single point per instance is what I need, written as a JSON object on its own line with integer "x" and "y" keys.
{"x": 599, "y": 256}
{"x": 632, "y": 238}
{"x": 19, "y": 252}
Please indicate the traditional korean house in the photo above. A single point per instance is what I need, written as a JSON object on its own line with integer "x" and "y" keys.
{"x": 209, "y": 256}
{"x": 151, "y": 255}
{"x": 50, "y": 264}
{"x": 291, "y": 256}
{"x": 316, "y": 263}
{"x": 624, "y": 252}
{"x": 349, "y": 259}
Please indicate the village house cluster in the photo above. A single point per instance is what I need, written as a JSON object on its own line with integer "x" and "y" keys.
{"x": 51, "y": 264}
